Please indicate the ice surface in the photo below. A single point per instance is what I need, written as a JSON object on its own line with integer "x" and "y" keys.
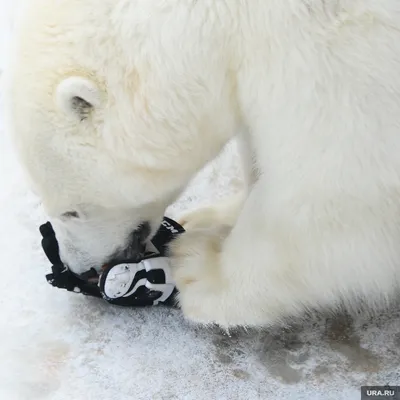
{"x": 61, "y": 346}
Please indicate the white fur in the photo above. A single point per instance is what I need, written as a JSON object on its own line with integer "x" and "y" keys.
{"x": 312, "y": 87}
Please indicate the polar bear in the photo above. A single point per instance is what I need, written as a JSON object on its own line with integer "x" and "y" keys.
{"x": 115, "y": 105}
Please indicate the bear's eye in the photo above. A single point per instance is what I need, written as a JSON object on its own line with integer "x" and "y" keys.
{"x": 70, "y": 214}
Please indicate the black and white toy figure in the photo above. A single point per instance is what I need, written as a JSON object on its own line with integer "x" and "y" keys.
{"x": 144, "y": 281}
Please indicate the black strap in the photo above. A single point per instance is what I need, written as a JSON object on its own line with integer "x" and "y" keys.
{"x": 61, "y": 276}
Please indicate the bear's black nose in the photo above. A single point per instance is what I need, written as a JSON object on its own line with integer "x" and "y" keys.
{"x": 134, "y": 249}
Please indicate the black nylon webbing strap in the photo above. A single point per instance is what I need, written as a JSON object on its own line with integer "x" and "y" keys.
{"x": 61, "y": 276}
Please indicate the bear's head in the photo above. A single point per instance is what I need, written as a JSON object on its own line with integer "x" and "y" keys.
{"x": 112, "y": 114}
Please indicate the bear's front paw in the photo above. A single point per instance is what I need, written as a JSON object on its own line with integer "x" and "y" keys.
{"x": 195, "y": 260}
{"x": 223, "y": 212}
{"x": 202, "y": 218}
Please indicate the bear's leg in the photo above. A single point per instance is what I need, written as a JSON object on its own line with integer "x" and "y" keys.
{"x": 240, "y": 275}
{"x": 280, "y": 260}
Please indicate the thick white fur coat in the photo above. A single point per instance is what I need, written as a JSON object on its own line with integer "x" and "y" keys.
{"x": 115, "y": 105}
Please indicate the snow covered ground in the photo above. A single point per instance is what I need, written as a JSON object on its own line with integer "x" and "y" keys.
{"x": 60, "y": 346}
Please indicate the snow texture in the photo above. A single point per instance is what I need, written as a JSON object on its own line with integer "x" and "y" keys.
{"x": 63, "y": 346}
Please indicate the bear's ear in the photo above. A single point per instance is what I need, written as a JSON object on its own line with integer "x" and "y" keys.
{"x": 78, "y": 96}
